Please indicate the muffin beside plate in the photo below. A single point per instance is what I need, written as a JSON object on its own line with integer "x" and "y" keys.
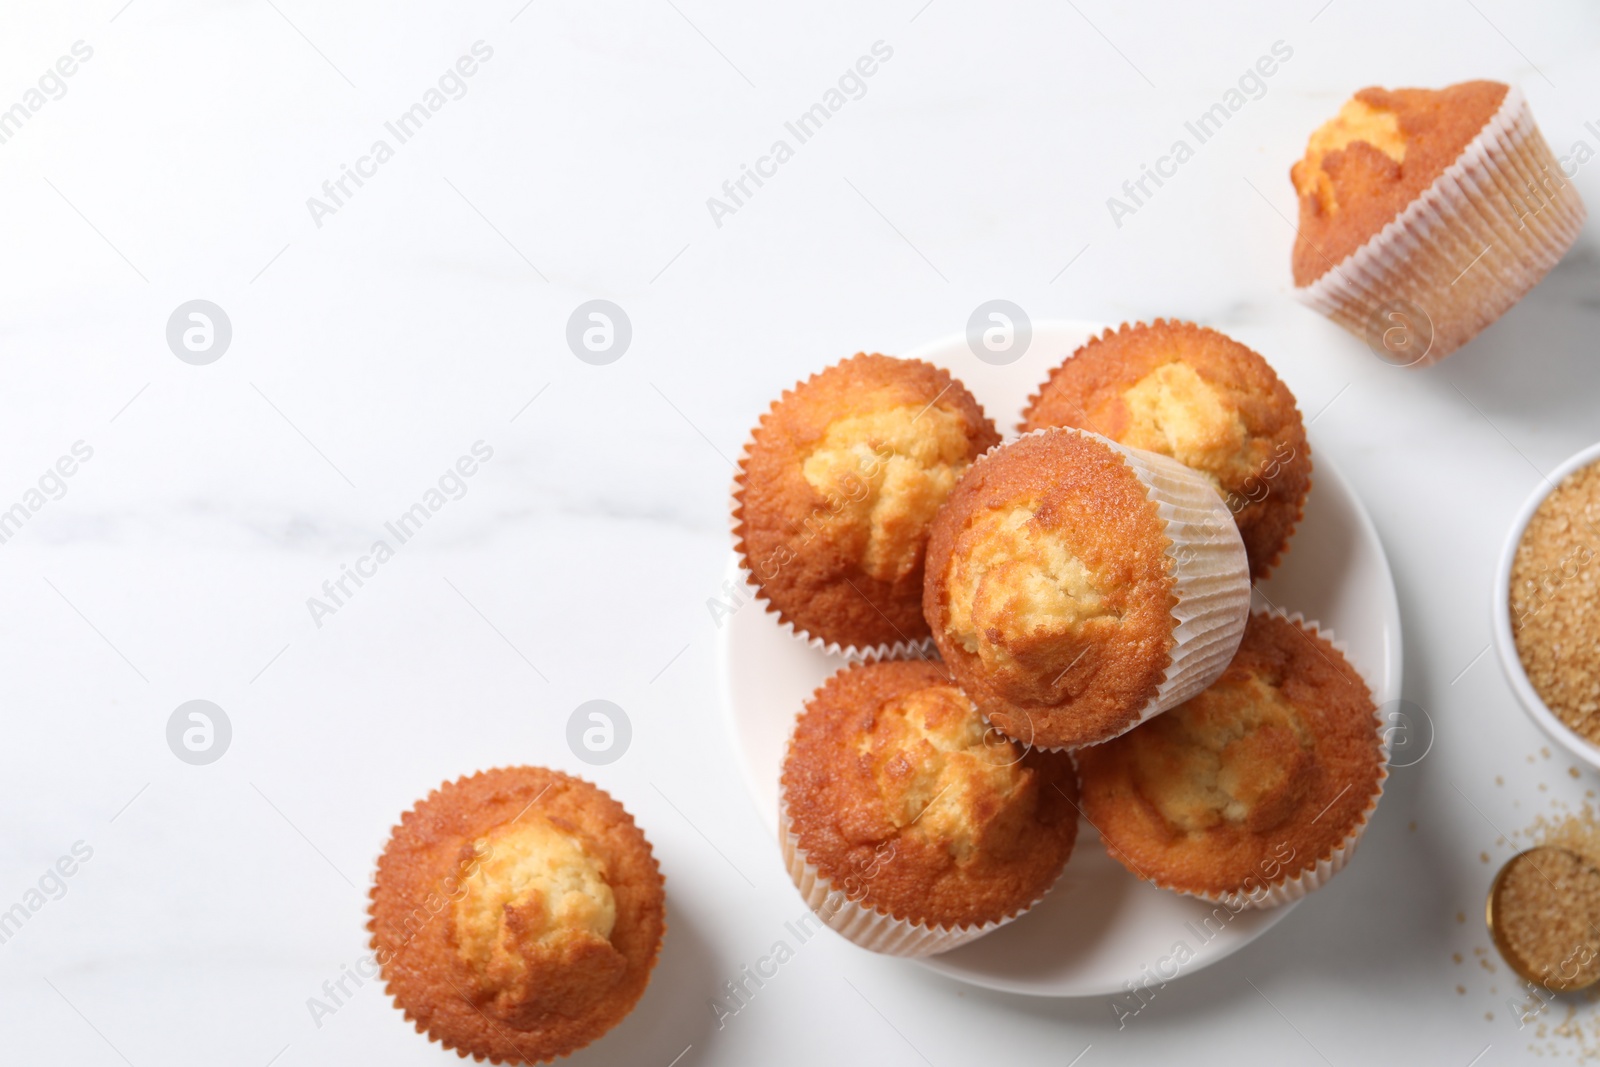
{"x": 1425, "y": 214}
{"x": 517, "y": 914}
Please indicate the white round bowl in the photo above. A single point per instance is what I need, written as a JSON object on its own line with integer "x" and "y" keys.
{"x": 1549, "y": 721}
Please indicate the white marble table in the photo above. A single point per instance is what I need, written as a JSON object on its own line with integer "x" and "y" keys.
{"x": 377, "y": 337}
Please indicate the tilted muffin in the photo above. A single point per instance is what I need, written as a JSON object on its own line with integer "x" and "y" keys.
{"x": 516, "y": 914}
{"x": 836, "y": 491}
{"x": 1202, "y": 398}
{"x": 908, "y": 825}
{"x": 1076, "y": 586}
{"x": 1254, "y": 792}
{"x": 1425, "y": 214}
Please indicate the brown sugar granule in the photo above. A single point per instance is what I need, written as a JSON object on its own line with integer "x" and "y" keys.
{"x": 1547, "y": 916}
{"x": 1555, "y": 583}
{"x": 1484, "y": 856}
{"x": 1456, "y": 956}
{"x": 1461, "y": 916}
{"x": 1461, "y": 989}
{"x": 1579, "y": 832}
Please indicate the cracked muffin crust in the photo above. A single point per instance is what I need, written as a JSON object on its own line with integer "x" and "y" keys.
{"x": 1197, "y": 395}
{"x": 1050, "y": 591}
{"x": 1365, "y": 165}
{"x": 1425, "y": 215}
{"x": 516, "y": 914}
{"x": 908, "y": 804}
{"x": 1270, "y": 771}
{"x": 837, "y": 489}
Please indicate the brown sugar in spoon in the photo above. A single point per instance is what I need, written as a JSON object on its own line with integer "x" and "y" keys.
{"x": 1544, "y": 916}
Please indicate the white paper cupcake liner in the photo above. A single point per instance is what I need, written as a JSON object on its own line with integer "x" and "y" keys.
{"x": 856, "y": 920}
{"x": 1302, "y": 882}
{"x": 1210, "y": 568}
{"x": 1473, "y": 244}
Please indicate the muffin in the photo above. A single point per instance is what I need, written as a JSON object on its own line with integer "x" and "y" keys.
{"x": 516, "y": 914}
{"x": 836, "y": 491}
{"x": 1076, "y": 586}
{"x": 1254, "y": 792}
{"x": 1202, "y": 398}
{"x": 908, "y": 825}
{"x": 1425, "y": 214}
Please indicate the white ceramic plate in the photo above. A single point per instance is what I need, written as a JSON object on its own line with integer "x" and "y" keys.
{"x": 1100, "y": 927}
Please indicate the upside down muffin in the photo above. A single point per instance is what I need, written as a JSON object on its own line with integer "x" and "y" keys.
{"x": 1076, "y": 586}
{"x": 836, "y": 491}
{"x": 516, "y": 914}
{"x": 1202, "y": 398}
{"x": 1254, "y": 791}
{"x": 1425, "y": 214}
{"x": 909, "y": 825}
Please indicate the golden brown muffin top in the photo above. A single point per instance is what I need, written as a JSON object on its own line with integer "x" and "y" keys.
{"x": 838, "y": 486}
{"x": 1049, "y": 589}
{"x": 1248, "y": 783}
{"x": 1366, "y": 165}
{"x": 1204, "y": 399}
{"x": 516, "y": 914}
{"x": 909, "y": 805}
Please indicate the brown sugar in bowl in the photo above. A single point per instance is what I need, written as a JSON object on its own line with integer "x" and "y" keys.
{"x": 1546, "y": 635}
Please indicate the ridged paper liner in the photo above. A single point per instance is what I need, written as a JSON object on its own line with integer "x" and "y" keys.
{"x": 849, "y": 653}
{"x": 1295, "y": 887}
{"x": 872, "y": 929}
{"x": 1210, "y": 570}
{"x": 1461, "y": 253}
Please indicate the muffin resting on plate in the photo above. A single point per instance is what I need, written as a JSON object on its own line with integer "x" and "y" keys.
{"x": 1076, "y": 586}
{"x": 909, "y": 826}
{"x": 1202, "y": 398}
{"x": 1253, "y": 792}
{"x": 1425, "y": 214}
{"x": 516, "y": 914}
{"x": 836, "y": 492}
